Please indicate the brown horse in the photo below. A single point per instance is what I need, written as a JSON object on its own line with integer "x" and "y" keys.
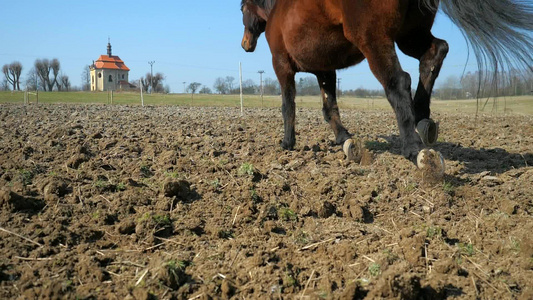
{"x": 321, "y": 36}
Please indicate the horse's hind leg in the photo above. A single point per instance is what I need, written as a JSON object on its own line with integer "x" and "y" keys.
{"x": 330, "y": 109}
{"x": 431, "y": 52}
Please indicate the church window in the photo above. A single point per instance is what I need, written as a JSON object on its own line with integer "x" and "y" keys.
{"x": 110, "y": 78}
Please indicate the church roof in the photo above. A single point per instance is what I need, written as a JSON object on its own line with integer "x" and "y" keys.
{"x": 112, "y": 62}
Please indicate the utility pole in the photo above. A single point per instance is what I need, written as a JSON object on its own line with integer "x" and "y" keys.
{"x": 339, "y": 87}
{"x": 261, "y": 85}
{"x": 151, "y": 63}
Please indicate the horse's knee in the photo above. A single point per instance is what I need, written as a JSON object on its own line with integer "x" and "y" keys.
{"x": 442, "y": 48}
{"x": 399, "y": 96}
{"x": 400, "y": 82}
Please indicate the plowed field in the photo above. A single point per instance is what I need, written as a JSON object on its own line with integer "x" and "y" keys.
{"x": 118, "y": 202}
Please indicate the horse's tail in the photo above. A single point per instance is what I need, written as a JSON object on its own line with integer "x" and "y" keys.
{"x": 499, "y": 31}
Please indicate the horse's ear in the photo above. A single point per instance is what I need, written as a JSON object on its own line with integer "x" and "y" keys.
{"x": 262, "y": 14}
{"x": 257, "y": 10}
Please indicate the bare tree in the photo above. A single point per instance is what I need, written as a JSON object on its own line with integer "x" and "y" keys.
{"x": 249, "y": 87}
{"x": 43, "y": 68}
{"x": 221, "y": 86}
{"x": 31, "y": 80}
{"x": 4, "y": 85}
{"x": 156, "y": 82}
{"x": 86, "y": 78}
{"x": 205, "y": 90}
{"x": 63, "y": 83}
{"x": 307, "y": 86}
{"x": 12, "y": 73}
{"x": 193, "y": 87}
{"x": 7, "y": 77}
{"x": 271, "y": 87}
{"x": 229, "y": 83}
{"x": 55, "y": 70}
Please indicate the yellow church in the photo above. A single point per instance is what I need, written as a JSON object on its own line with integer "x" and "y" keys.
{"x": 109, "y": 73}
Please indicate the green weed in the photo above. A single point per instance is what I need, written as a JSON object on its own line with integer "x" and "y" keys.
{"x": 120, "y": 187}
{"x": 301, "y": 237}
{"x": 226, "y": 234}
{"x": 289, "y": 280}
{"x": 95, "y": 215}
{"x": 26, "y": 176}
{"x": 174, "y": 174}
{"x": 466, "y": 249}
{"x": 433, "y": 232}
{"x": 101, "y": 184}
{"x": 410, "y": 187}
{"x": 448, "y": 188}
{"x": 286, "y": 214}
{"x": 145, "y": 171}
{"x": 176, "y": 264}
{"x": 254, "y": 195}
{"x": 515, "y": 244}
{"x": 161, "y": 220}
{"x": 246, "y": 169}
{"x": 391, "y": 257}
{"x": 374, "y": 269}
{"x": 215, "y": 184}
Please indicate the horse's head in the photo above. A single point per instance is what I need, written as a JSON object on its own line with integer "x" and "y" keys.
{"x": 254, "y": 20}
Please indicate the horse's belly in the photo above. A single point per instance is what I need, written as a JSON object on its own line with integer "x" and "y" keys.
{"x": 316, "y": 52}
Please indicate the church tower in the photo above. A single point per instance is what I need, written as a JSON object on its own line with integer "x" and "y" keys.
{"x": 109, "y": 73}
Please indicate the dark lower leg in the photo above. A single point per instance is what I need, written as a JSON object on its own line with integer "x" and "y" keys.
{"x": 430, "y": 65}
{"x": 288, "y": 109}
{"x": 330, "y": 108}
{"x": 399, "y": 95}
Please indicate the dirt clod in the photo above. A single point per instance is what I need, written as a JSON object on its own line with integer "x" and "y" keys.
{"x": 179, "y": 188}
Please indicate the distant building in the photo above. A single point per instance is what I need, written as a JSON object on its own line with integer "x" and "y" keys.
{"x": 109, "y": 73}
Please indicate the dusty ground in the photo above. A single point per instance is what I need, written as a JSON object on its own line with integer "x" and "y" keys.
{"x": 115, "y": 202}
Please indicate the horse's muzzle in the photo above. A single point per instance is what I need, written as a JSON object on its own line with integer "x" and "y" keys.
{"x": 248, "y": 44}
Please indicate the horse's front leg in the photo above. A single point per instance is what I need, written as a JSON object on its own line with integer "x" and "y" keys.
{"x": 288, "y": 107}
{"x": 385, "y": 65}
{"x": 330, "y": 109}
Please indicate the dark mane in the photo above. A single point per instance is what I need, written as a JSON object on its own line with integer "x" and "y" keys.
{"x": 264, "y": 4}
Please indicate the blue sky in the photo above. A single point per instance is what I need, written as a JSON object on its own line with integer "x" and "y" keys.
{"x": 188, "y": 40}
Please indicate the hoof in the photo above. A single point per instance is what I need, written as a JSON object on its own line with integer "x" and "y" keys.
{"x": 431, "y": 163}
{"x": 287, "y": 146}
{"x": 353, "y": 150}
{"x": 428, "y": 131}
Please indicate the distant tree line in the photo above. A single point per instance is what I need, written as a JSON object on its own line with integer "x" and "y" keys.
{"x": 45, "y": 75}
{"x": 472, "y": 85}
{"x": 227, "y": 85}
{"x": 305, "y": 86}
